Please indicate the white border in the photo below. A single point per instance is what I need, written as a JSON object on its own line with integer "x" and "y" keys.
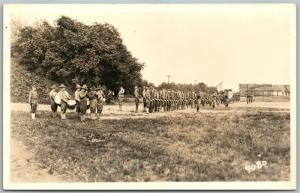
{"x": 286, "y": 185}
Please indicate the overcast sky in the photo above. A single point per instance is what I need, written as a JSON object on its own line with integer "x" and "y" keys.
{"x": 208, "y": 43}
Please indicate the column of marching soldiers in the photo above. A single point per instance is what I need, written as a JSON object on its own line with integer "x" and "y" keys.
{"x": 154, "y": 100}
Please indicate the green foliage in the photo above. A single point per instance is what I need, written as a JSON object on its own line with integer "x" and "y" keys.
{"x": 71, "y": 52}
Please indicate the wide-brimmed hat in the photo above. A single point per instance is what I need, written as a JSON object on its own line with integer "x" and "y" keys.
{"x": 93, "y": 88}
{"x": 62, "y": 86}
{"x": 84, "y": 87}
{"x": 78, "y": 86}
{"x": 53, "y": 86}
{"x": 99, "y": 88}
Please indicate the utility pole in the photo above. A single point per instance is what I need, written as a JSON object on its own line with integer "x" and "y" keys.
{"x": 169, "y": 76}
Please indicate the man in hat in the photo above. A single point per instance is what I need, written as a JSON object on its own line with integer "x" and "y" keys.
{"x": 53, "y": 104}
{"x": 121, "y": 97}
{"x": 33, "y": 101}
{"x": 83, "y": 102}
{"x": 137, "y": 98}
{"x": 92, "y": 95}
{"x": 64, "y": 96}
{"x": 100, "y": 100}
{"x": 77, "y": 99}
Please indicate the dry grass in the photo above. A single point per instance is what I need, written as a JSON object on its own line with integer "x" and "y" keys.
{"x": 185, "y": 147}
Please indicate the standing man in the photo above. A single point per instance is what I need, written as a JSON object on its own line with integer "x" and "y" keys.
{"x": 64, "y": 96}
{"x": 137, "y": 98}
{"x": 121, "y": 97}
{"x": 93, "y": 102}
{"x": 52, "y": 95}
{"x": 77, "y": 99}
{"x": 100, "y": 101}
{"x": 33, "y": 101}
{"x": 83, "y": 102}
{"x": 144, "y": 98}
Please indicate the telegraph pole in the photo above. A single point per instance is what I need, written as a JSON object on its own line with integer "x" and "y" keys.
{"x": 169, "y": 76}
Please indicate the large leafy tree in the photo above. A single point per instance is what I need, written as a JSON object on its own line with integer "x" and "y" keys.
{"x": 72, "y": 52}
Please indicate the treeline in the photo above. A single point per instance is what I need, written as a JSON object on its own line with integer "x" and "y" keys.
{"x": 202, "y": 87}
{"x": 72, "y": 52}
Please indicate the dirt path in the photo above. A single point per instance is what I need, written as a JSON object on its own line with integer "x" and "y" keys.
{"x": 24, "y": 168}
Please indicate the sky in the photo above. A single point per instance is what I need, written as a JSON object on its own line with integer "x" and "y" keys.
{"x": 193, "y": 43}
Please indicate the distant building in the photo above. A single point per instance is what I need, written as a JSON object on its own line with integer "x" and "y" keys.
{"x": 264, "y": 90}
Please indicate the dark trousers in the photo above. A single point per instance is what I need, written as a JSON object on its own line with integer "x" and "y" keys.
{"x": 33, "y": 107}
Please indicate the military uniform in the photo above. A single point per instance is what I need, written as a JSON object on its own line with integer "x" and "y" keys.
{"x": 53, "y": 104}
{"x": 100, "y": 101}
{"x": 136, "y": 100}
{"x": 64, "y": 96}
{"x": 121, "y": 97}
{"x": 93, "y": 102}
{"x": 83, "y": 102}
{"x": 33, "y": 101}
{"x": 77, "y": 98}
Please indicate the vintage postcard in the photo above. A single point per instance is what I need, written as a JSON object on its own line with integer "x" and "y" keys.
{"x": 149, "y": 96}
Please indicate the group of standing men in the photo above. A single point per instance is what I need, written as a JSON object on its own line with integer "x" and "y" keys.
{"x": 164, "y": 100}
{"x": 154, "y": 100}
{"x": 84, "y": 99}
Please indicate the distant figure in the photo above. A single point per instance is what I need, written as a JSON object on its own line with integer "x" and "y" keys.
{"x": 248, "y": 99}
{"x": 226, "y": 102}
{"x": 137, "y": 100}
{"x": 121, "y": 97}
{"x": 100, "y": 101}
{"x": 83, "y": 102}
{"x": 93, "y": 102}
{"x": 53, "y": 104}
{"x": 33, "y": 101}
{"x": 144, "y": 98}
{"x": 198, "y": 102}
{"x": 64, "y": 96}
{"x": 77, "y": 99}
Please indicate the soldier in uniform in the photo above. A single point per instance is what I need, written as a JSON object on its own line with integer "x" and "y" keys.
{"x": 64, "y": 96}
{"x": 144, "y": 98}
{"x": 52, "y": 95}
{"x": 147, "y": 99}
{"x": 92, "y": 95}
{"x": 33, "y": 101}
{"x": 121, "y": 97}
{"x": 137, "y": 98}
{"x": 100, "y": 101}
{"x": 77, "y": 99}
{"x": 83, "y": 102}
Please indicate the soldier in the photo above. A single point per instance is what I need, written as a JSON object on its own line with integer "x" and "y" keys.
{"x": 83, "y": 102}
{"x": 198, "y": 101}
{"x": 121, "y": 97}
{"x": 33, "y": 101}
{"x": 144, "y": 98}
{"x": 214, "y": 100}
{"x": 137, "y": 100}
{"x": 147, "y": 99}
{"x": 52, "y": 95}
{"x": 100, "y": 101}
{"x": 92, "y": 95}
{"x": 64, "y": 96}
{"x": 77, "y": 99}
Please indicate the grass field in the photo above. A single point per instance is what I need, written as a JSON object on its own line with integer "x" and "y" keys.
{"x": 182, "y": 147}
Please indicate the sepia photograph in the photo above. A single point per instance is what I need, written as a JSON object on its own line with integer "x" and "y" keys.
{"x": 149, "y": 96}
